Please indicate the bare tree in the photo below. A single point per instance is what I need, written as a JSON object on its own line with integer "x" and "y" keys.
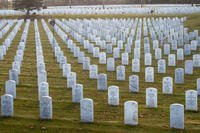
{"x": 28, "y": 5}
{"x": 141, "y": 2}
{"x": 70, "y": 4}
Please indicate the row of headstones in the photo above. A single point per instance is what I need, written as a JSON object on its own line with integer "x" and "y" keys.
{"x": 71, "y": 76}
{"x": 104, "y": 80}
{"x": 168, "y": 27}
{"x": 179, "y": 78}
{"x": 10, "y": 12}
{"x": 192, "y": 36}
{"x": 17, "y": 63}
{"x": 90, "y": 47}
{"x": 95, "y": 50}
{"x": 167, "y": 84}
{"x": 79, "y": 36}
{"x": 174, "y": 31}
{"x": 41, "y": 72}
{"x": 66, "y": 67}
{"x": 130, "y": 107}
{"x": 168, "y": 91}
{"x": 111, "y": 35}
{"x": 131, "y": 113}
{"x": 188, "y": 48}
{"x": 120, "y": 10}
{"x": 161, "y": 63}
{"x": 85, "y": 117}
{"x": 10, "y": 86}
{"x": 158, "y": 51}
{"x": 109, "y": 10}
{"x": 43, "y": 86}
{"x": 62, "y": 60}
{"x": 77, "y": 89}
{"x": 179, "y": 74}
{"x": 177, "y": 24}
{"x": 3, "y": 23}
{"x": 174, "y": 21}
{"x": 6, "y": 28}
{"x": 149, "y": 71}
{"x": 107, "y": 30}
{"x": 8, "y": 41}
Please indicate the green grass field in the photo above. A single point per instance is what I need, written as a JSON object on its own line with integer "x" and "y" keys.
{"x": 66, "y": 115}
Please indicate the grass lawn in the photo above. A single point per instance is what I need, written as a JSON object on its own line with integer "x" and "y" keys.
{"x": 66, "y": 115}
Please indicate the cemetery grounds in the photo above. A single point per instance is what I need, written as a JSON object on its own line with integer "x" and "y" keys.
{"x": 66, "y": 115}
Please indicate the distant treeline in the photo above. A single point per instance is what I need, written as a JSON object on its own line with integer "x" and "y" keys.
{"x": 6, "y": 4}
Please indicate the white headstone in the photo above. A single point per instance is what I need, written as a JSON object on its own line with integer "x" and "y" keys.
{"x": 131, "y": 113}
{"x": 93, "y": 71}
{"x": 179, "y": 75}
{"x": 116, "y": 53}
{"x": 86, "y": 63}
{"x": 158, "y": 53}
{"x": 81, "y": 57}
{"x": 133, "y": 83}
{"x": 43, "y": 90}
{"x": 188, "y": 67}
{"x": 151, "y": 98}
{"x": 102, "y": 58}
{"x": 96, "y": 52}
{"x": 135, "y": 65}
{"x": 198, "y": 86}
{"x": 42, "y": 77}
{"x": 121, "y": 73}
{"x": 87, "y": 111}
{"x": 13, "y": 75}
{"x": 191, "y": 100}
{"x": 148, "y": 59}
{"x": 161, "y": 66}
{"x": 149, "y": 74}
{"x": 102, "y": 82}
{"x": 136, "y": 53}
{"x": 66, "y": 69}
{"x": 167, "y": 87}
{"x": 196, "y": 60}
{"x": 180, "y": 55}
{"x": 7, "y": 105}
{"x": 109, "y": 48}
{"x": 46, "y": 107}
{"x": 11, "y": 88}
{"x": 171, "y": 60}
{"x": 111, "y": 64}
{"x": 71, "y": 80}
{"x": 113, "y": 95}
{"x": 187, "y": 49}
{"x": 166, "y": 49}
{"x": 125, "y": 59}
{"x": 177, "y": 116}
{"x": 77, "y": 93}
